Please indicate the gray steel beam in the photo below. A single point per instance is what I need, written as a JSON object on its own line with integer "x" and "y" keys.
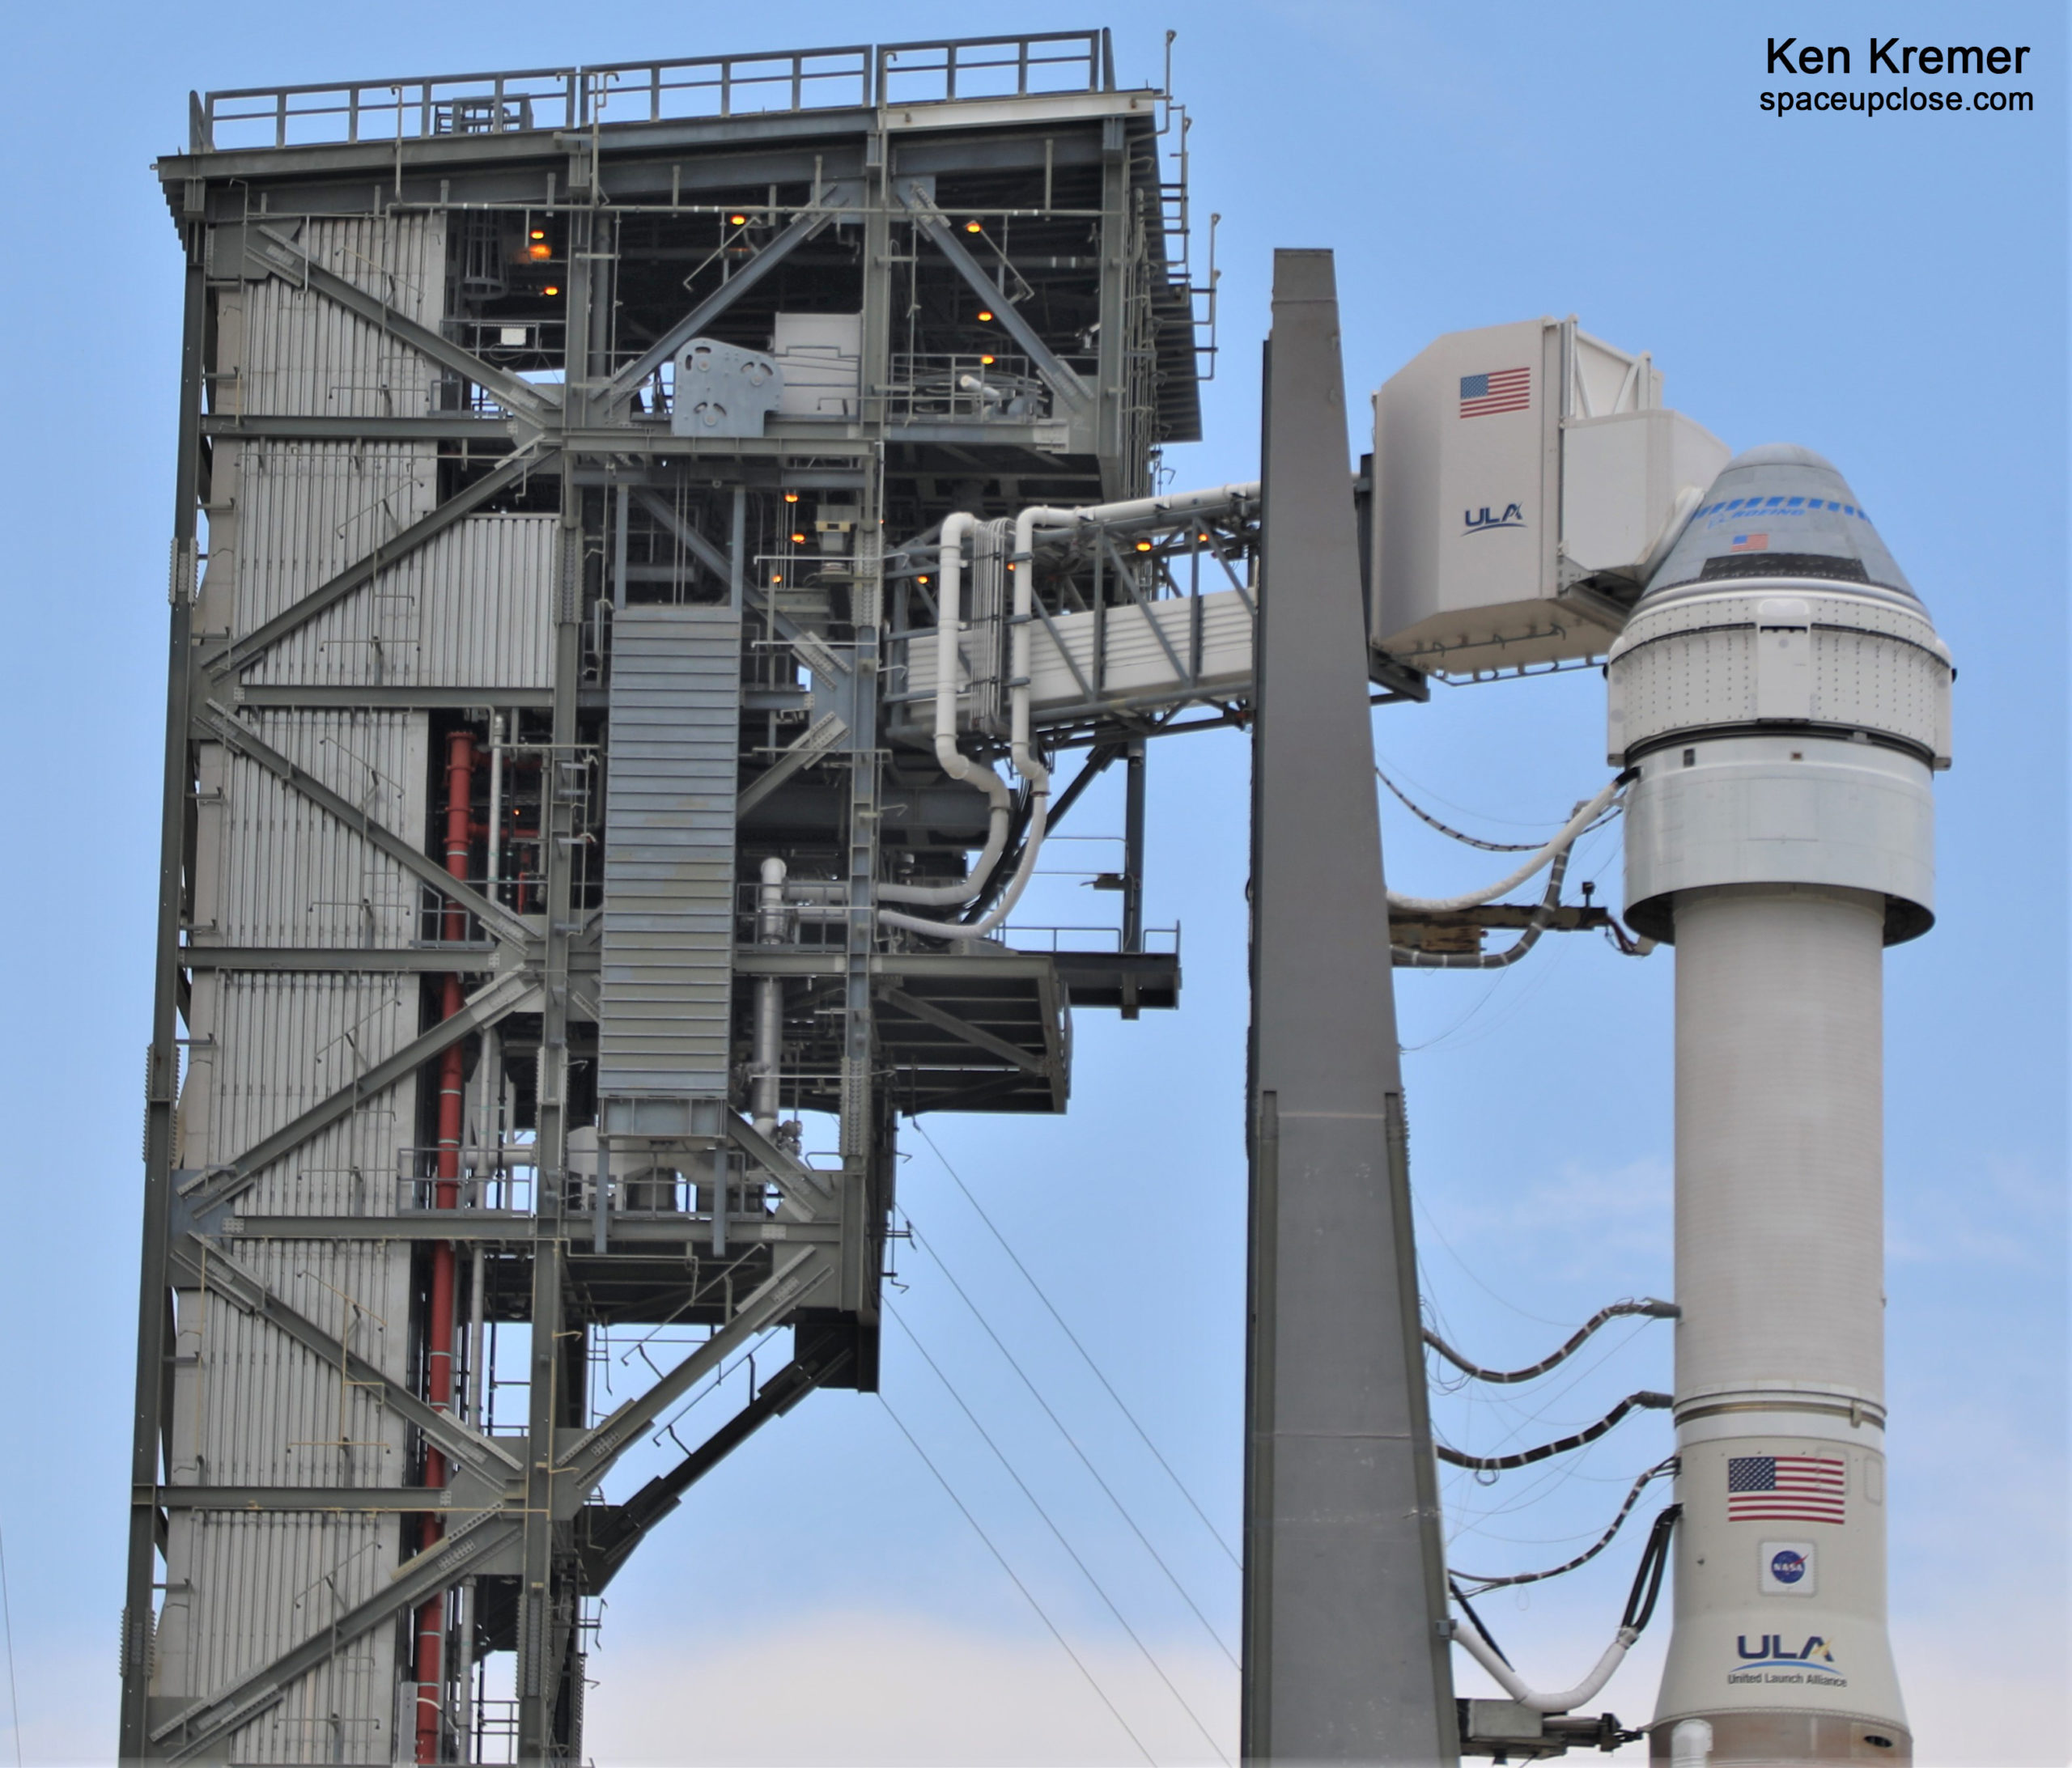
{"x": 273, "y": 253}
{"x": 828, "y": 203}
{"x": 1345, "y": 1660}
{"x": 200, "y": 1264}
{"x": 438, "y": 427}
{"x": 326, "y": 1500}
{"x": 1063, "y": 381}
{"x": 241, "y": 653}
{"x": 216, "y": 1185}
{"x": 977, "y": 1036}
{"x": 198, "y": 1728}
{"x": 161, "y": 1072}
{"x": 480, "y": 1533}
{"x": 417, "y": 960}
{"x": 818, "y": 740}
{"x": 216, "y": 721}
{"x": 586, "y": 1461}
{"x": 326, "y": 695}
{"x": 513, "y": 1228}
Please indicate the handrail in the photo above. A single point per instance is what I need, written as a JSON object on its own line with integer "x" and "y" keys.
{"x": 848, "y": 76}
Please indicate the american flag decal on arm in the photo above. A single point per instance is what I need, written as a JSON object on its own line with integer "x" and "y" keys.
{"x": 1784, "y": 1488}
{"x": 1502, "y": 389}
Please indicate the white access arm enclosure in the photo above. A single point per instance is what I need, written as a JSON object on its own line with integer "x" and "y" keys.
{"x": 1527, "y": 479}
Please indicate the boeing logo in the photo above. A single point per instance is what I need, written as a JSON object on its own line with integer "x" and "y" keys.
{"x": 1480, "y": 521}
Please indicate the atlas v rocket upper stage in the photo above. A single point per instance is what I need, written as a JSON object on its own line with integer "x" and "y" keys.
{"x": 1781, "y": 698}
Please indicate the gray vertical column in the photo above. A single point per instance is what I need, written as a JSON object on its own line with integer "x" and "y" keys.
{"x": 1344, "y": 1576}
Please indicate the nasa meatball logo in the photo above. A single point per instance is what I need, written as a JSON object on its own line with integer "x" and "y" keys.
{"x": 1786, "y": 1568}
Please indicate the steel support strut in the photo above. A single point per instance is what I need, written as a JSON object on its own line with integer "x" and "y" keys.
{"x": 1345, "y": 1573}
{"x": 162, "y": 1082}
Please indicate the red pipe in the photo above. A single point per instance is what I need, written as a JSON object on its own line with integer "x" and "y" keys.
{"x": 446, "y": 1195}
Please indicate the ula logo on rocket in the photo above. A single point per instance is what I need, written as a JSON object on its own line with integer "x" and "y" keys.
{"x": 1477, "y": 521}
{"x": 1770, "y": 1650}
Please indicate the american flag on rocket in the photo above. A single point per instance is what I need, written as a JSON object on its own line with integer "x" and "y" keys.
{"x": 1502, "y": 389}
{"x": 1784, "y": 1488}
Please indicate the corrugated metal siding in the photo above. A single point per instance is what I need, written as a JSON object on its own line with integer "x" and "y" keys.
{"x": 273, "y": 869}
{"x": 669, "y": 860}
{"x": 301, "y": 512}
{"x": 304, "y": 355}
{"x": 484, "y": 597}
{"x": 250, "y": 1406}
{"x": 255, "y": 1584}
{"x": 473, "y": 607}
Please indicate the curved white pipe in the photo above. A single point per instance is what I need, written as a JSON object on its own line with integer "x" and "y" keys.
{"x": 1474, "y": 899}
{"x": 1026, "y": 762}
{"x": 951, "y": 760}
{"x": 1468, "y": 1635}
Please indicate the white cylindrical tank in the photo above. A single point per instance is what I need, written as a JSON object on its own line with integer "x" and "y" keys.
{"x": 1782, "y": 700}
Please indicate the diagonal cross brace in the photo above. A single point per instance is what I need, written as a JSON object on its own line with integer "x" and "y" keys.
{"x": 592, "y": 1457}
{"x": 216, "y": 1185}
{"x": 208, "y": 1267}
{"x": 1064, "y": 379}
{"x": 193, "y": 1731}
{"x": 833, "y": 201}
{"x": 242, "y": 653}
{"x": 826, "y": 731}
{"x": 720, "y": 566}
{"x": 475, "y": 1537}
{"x": 976, "y": 1035}
{"x": 218, "y": 721}
{"x": 277, "y": 255}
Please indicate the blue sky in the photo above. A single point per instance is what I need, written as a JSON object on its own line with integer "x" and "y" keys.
{"x": 1891, "y": 292}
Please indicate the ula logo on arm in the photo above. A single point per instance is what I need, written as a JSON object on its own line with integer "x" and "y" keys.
{"x": 1478, "y": 521}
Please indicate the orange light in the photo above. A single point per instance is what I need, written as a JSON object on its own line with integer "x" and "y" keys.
{"x": 776, "y": 577}
{"x": 552, "y": 288}
{"x": 986, "y": 361}
{"x": 538, "y": 251}
{"x": 539, "y": 233}
{"x": 983, "y": 315}
{"x": 798, "y": 540}
{"x": 791, "y": 496}
{"x": 1144, "y": 546}
{"x": 920, "y": 579}
{"x": 973, "y": 227}
{"x": 736, "y": 221}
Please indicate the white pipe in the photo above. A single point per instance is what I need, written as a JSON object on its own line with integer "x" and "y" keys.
{"x": 1468, "y": 1634}
{"x": 1154, "y": 510}
{"x": 951, "y": 760}
{"x": 766, "y": 1071}
{"x": 495, "y": 798}
{"x": 1475, "y": 899}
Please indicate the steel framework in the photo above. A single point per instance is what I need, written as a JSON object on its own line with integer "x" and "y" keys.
{"x": 563, "y": 457}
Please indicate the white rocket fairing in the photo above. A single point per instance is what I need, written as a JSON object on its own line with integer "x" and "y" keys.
{"x": 1782, "y": 697}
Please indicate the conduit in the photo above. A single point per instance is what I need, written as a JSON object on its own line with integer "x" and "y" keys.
{"x": 1648, "y": 1307}
{"x": 1474, "y": 899}
{"x": 765, "y": 1069}
{"x": 1415, "y": 958}
{"x": 1156, "y": 511}
{"x": 951, "y": 760}
{"x": 1640, "y": 1608}
{"x": 446, "y": 1195}
{"x": 1497, "y": 1464}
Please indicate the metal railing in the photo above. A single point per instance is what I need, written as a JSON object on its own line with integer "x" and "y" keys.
{"x": 851, "y": 77}
{"x": 964, "y": 387}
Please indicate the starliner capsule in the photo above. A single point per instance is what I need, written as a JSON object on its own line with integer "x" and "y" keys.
{"x": 1783, "y": 700}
